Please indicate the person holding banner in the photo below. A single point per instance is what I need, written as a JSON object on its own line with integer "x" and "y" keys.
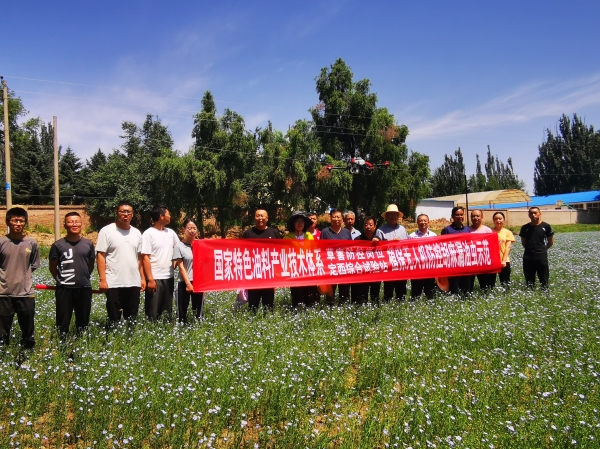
{"x": 260, "y": 230}
{"x": 71, "y": 262}
{"x": 298, "y": 226}
{"x": 477, "y": 227}
{"x": 349, "y": 220}
{"x": 362, "y": 291}
{"x": 506, "y": 239}
{"x": 418, "y": 286}
{"x": 183, "y": 259}
{"x": 337, "y": 232}
{"x": 119, "y": 265}
{"x": 392, "y": 230}
{"x": 459, "y": 285}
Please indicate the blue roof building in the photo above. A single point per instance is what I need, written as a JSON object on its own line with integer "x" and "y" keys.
{"x": 578, "y": 200}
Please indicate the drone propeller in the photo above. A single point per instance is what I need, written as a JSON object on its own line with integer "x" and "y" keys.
{"x": 358, "y": 166}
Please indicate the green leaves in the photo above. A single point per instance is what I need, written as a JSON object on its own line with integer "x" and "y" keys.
{"x": 568, "y": 160}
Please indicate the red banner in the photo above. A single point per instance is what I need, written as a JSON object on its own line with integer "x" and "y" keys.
{"x": 231, "y": 264}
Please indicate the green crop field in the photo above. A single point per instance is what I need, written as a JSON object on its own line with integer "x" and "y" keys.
{"x": 512, "y": 368}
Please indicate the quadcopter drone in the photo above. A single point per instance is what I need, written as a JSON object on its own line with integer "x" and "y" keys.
{"x": 358, "y": 166}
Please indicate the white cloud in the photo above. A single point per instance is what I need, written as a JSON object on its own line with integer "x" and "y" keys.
{"x": 521, "y": 105}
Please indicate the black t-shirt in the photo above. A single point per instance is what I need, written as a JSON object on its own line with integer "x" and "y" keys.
{"x": 536, "y": 238}
{"x": 73, "y": 262}
{"x": 329, "y": 234}
{"x": 364, "y": 237}
{"x": 254, "y": 233}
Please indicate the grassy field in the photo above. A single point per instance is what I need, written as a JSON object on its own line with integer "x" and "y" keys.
{"x": 510, "y": 369}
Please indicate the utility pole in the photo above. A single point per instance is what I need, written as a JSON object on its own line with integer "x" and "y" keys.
{"x": 6, "y": 146}
{"x": 56, "y": 185}
{"x": 467, "y": 200}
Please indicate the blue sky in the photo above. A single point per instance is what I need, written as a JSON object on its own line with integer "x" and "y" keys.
{"x": 458, "y": 74}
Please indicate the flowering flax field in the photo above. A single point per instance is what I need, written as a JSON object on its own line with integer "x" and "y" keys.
{"x": 507, "y": 369}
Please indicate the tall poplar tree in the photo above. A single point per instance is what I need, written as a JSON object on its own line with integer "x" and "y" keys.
{"x": 449, "y": 178}
{"x": 568, "y": 160}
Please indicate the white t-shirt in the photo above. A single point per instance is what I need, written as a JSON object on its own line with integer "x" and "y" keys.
{"x": 159, "y": 246}
{"x": 419, "y": 235}
{"x": 121, "y": 248}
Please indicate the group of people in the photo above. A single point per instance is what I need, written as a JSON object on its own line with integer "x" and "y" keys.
{"x": 536, "y": 237}
{"x": 129, "y": 262}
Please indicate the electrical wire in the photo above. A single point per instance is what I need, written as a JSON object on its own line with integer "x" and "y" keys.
{"x": 325, "y": 114}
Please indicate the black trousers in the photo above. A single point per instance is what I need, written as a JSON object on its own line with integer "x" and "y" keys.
{"x": 161, "y": 300}
{"x": 461, "y": 285}
{"x": 486, "y": 281}
{"x": 504, "y": 276}
{"x": 420, "y": 286}
{"x": 183, "y": 302}
{"x": 267, "y": 295}
{"x": 307, "y": 295}
{"x": 531, "y": 267}
{"x": 69, "y": 300}
{"x": 399, "y": 287}
{"x": 361, "y": 292}
{"x": 125, "y": 300}
{"x": 24, "y": 308}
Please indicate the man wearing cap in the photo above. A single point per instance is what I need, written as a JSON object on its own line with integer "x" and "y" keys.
{"x": 391, "y": 230}
{"x": 260, "y": 230}
{"x": 418, "y": 286}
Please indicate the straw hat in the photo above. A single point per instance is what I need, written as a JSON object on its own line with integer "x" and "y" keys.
{"x": 392, "y": 208}
{"x": 296, "y": 215}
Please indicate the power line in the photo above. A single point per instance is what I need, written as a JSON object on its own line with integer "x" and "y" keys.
{"x": 341, "y": 133}
{"x": 103, "y": 101}
{"x": 324, "y": 114}
{"x": 120, "y": 88}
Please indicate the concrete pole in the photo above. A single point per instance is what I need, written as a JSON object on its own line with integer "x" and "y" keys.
{"x": 7, "y": 147}
{"x": 56, "y": 183}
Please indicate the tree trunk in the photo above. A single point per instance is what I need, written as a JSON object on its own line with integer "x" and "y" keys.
{"x": 200, "y": 223}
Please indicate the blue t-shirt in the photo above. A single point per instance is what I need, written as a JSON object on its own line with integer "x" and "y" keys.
{"x": 330, "y": 234}
{"x": 453, "y": 229}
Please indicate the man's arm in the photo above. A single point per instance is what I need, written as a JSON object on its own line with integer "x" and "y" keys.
{"x": 101, "y": 262}
{"x": 147, "y": 266}
{"x": 53, "y": 262}
{"x": 523, "y": 242}
{"x": 91, "y": 259}
{"x": 142, "y": 277}
{"x": 53, "y": 267}
{"x": 550, "y": 242}
{"x": 34, "y": 260}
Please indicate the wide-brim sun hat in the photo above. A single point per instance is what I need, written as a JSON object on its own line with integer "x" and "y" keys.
{"x": 392, "y": 208}
{"x": 295, "y": 215}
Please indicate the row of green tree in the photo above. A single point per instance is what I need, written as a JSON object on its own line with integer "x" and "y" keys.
{"x": 231, "y": 170}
